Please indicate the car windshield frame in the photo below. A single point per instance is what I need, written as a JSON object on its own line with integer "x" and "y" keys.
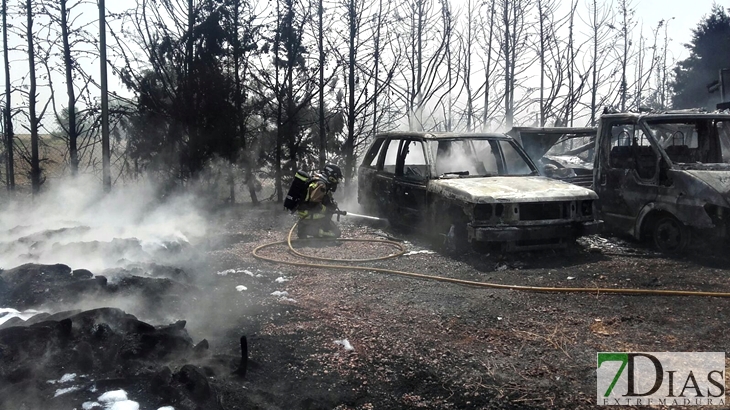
{"x": 501, "y": 165}
{"x": 693, "y": 144}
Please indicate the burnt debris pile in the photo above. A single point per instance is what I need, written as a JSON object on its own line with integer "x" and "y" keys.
{"x": 53, "y": 357}
{"x": 69, "y": 358}
{"x": 31, "y": 286}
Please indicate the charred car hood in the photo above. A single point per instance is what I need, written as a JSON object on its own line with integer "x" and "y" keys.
{"x": 508, "y": 189}
{"x": 717, "y": 180}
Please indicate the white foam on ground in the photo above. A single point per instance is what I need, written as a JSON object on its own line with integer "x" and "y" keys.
{"x": 281, "y": 279}
{"x": 166, "y": 408}
{"x": 424, "y": 252}
{"x": 66, "y": 378}
{"x": 279, "y": 293}
{"x": 241, "y": 288}
{"x": 117, "y": 400}
{"x": 113, "y": 396}
{"x": 345, "y": 344}
{"x": 88, "y": 405}
{"x": 66, "y": 390}
{"x": 124, "y": 405}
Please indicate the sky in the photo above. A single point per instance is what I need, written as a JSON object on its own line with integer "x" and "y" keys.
{"x": 685, "y": 13}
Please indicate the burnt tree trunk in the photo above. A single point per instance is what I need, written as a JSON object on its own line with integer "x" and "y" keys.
{"x": 105, "y": 154}
{"x": 240, "y": 118}
{"x": 377, "y": 67}
{"x": 7, "y": 116}
{"x": 35, "y": 166}
{"x": 68, "y": 63}
{"x": 351, "y": 109}
{"x": 322, "y": 131}
{"x": 279, "y": 97}
{"x": 488, "y": 69}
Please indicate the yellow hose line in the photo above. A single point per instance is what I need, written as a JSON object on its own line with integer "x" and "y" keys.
{"x": 401, "y": 249}
{"x": 255, "y": 253}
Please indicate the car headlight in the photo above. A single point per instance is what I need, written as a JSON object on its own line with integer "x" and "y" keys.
{"x": 483, "y": 212}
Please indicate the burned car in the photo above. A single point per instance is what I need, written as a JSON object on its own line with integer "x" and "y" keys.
{"x": 471, "y": 189}
{"x": 664, "y": 176}
{"x": 564, "y": 153}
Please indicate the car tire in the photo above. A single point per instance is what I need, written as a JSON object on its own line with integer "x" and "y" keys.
{"x": 670, "y": 235}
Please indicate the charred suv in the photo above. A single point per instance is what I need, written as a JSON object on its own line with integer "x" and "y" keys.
{"x": 665, "y": 175}
{"x": 472, "y": 188}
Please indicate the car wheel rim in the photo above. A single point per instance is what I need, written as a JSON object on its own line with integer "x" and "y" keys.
{"x": 669, "y": 235}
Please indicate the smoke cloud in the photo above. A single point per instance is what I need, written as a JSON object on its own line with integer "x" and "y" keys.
{"x": 77, "y": 224}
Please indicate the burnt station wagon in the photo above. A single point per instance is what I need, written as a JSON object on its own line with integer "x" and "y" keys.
{"x": 471, "y": 188}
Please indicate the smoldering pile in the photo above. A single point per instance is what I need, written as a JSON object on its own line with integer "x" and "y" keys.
{"x": 83, "y": 337}
{"x": 72, "y": 358}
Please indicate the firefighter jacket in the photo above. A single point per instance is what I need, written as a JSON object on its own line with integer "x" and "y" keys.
{"x": 318, "y": 203}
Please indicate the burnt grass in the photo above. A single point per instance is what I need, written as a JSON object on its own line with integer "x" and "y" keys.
{"x": 416, "y": 343}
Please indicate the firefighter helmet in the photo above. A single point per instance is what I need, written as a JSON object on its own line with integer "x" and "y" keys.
{"x": 333, "y": 174}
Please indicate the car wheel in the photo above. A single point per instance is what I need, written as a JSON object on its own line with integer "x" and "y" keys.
{"x": 670, "y": 235}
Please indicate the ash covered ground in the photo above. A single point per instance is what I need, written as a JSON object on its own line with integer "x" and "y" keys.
{"x": 144, "y": 305}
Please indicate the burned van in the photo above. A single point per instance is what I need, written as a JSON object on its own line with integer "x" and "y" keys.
{"x": 471, "y": 188}
{"x": 664, "y": 176}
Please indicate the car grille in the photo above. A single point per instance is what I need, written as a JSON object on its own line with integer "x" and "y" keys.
{"x": 537, "y": 211}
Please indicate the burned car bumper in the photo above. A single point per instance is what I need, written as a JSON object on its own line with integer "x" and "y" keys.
{"x": 557, "y": 231}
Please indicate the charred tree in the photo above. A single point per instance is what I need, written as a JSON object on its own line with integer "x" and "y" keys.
{"x": 467, "y": 65}
{"x": 353, "y": 22}
{"x": 73, "y": 132}
{"x": 35, "y": 165}
{"x": 488, "y": 30}
{"x": 377, "y": 63}
{"x": 624, "y": 57}
{"x": 363, "y": 70}
{"x": 595, "y": 27}
{"x": 105, "y": 154}
{"x": 570, "y": 109}
{"x": 320, "y": 84}
{"x": 293, "y": 86}
{"x": 240, "y": 47}
{"x": 278, "y": 91}
{"x": 425, "y": 38}
{"x": 600, "y": 18}
{"x": 7, "y": 113}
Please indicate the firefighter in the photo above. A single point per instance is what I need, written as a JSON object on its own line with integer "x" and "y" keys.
{"x": 318, "y": 207}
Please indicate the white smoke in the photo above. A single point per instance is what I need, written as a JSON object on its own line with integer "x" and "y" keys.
{"x": 77, "y": 224}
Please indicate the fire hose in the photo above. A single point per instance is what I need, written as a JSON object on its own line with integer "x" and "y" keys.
{"x": 339, "y": 264}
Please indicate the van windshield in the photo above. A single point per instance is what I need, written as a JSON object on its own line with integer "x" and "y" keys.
{"x": 470, "y": 157}
{"x": 692, "y": 140}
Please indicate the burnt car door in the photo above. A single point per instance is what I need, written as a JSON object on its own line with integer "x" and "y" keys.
{"x": 410, "y": 183}
{"x": 382, "y": 179}
{"x": 366, "y": 176}
{"x": 628, "y": 173}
